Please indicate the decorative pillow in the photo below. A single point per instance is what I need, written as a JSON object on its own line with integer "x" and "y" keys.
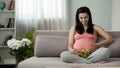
{"x": 115, "y": 48}
{"x": 50, "y": 46}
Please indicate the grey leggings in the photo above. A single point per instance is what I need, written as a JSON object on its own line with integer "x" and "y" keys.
{"x": 100, "y": 54}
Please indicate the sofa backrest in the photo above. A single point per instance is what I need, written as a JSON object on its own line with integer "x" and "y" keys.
{"x": 50, "y": 43}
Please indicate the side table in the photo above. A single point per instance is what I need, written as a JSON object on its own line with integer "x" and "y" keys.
{"x": 8, "y": 63}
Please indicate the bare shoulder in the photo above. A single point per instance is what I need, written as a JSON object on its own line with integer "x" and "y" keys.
{"x": 101, "y": 31}
{"x": 98, "y": 28}
{"x": 73, "y": 27}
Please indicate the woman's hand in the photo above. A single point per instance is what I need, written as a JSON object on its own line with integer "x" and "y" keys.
{"x": 93, "y": 48}
{"x": 76, "y": 52}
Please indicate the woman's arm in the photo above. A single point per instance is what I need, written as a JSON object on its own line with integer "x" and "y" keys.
{"x": 71, "y": 39}
{"x": 107, "y": 37}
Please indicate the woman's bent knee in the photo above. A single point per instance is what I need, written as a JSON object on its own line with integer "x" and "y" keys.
{"x": 105, "y": 53}
{"x": 65, "y": 56}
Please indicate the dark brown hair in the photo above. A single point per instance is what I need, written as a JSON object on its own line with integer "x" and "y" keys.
{"x": 79, "y": 27}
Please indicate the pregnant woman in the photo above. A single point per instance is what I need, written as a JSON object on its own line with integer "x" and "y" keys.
{"x": 82, "y": 46}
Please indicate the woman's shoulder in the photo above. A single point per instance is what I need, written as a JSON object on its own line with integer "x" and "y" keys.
{"x": 97, "y": 27}
{"x": 73, "y": 27}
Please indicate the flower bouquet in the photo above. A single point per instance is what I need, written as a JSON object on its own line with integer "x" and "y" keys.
{"x": 84, "y": 53}
{"x": 19, "y": 48}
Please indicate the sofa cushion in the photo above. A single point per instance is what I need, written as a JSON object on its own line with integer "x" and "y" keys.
{"x": 50, "y": 45}
{"x": 55, "y": 62}
{"x": 115, "y": 48}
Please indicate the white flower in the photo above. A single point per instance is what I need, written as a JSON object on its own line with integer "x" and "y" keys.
{"x": 10, "y": 42}
{"x": 26, "y": 41}
{"x": 16, "y": 44}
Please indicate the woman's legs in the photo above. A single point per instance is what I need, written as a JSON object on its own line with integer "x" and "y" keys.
{"x": 101, "y": 54}
{"x": 69, "y": 57}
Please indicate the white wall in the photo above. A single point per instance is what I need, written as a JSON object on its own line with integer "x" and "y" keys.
{"x": 115, "y": 14}
{"x": 100, "y": 9}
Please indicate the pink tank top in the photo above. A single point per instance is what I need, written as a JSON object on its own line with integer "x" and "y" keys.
{"x": 84, "y": 41}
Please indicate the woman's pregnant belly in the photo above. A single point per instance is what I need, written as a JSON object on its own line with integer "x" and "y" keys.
{"x": 83, "y": 44}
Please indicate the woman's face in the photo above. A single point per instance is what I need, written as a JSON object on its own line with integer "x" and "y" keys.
{"x": 84, "y": 18}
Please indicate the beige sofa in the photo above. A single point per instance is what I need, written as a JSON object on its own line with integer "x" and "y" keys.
{"x": 50, "y": 43}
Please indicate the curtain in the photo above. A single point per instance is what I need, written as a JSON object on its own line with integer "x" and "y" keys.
{"x": 41, "y": 14}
